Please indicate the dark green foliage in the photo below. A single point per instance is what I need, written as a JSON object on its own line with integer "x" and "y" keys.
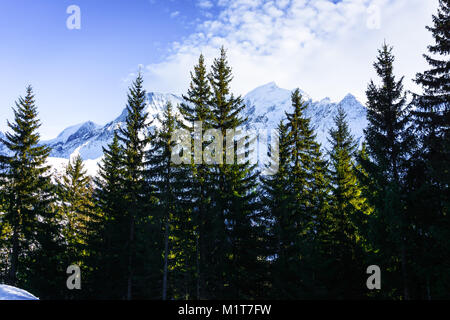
{"x": 106, "y": 237}
{"x": 124, "y": 231}
{"x": 75, "y": 196}
{"x": 196, "y": 111}
{"x": 389, "y": 141}
{"x": 28, "y": 194}
{"x": 233, "y": 261}
{"x": 295, "y": 204}
{"x": 307, "y": 204}
{"x": 171, "y": 183}
{"x": 276, "y": 202}
{"x": 342, "y": 241}
{"x": 148, "y": 228}
{"x": 428, "y": 176}
{"x": 196, "y": 106}
{"x": 75, "y": 209}
{"x": 137, "y": 197}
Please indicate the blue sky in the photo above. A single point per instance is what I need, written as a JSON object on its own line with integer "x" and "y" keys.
{"x": 78, "y": 75}
{"x": 325, "y": 47}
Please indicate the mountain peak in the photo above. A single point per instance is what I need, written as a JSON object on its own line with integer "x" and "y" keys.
{"x": 349, "y": 98}
{"x": 70, "y": 132}
{"x": 89, "y": 125}
{"x": 158, "y": 96}
{"x": 326, "y": 100}
{"x": 267, "y": 91}
{"x": 271, "y": 84}
{"x": 153, "y": 94}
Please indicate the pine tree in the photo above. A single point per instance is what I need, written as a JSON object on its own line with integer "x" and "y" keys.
{"x": 233, "y": 257}
{"x": 319, "y": 212}
{"x": 196, "y": 106}
{"x": 174, "y": 203}
{"x": 29, "y": 195}
{"x": 307, "y": 183}
{"x": 106, "y": 237}
{"x": 429, "y": 174}
{"x": 194, "y": 111}
{"x": 276, "y": 216}
{"x": 134, "y": 138}
{"x": 343, "y": 237}
{"x": 75, "y": 195}
{"x": 389, "y": 143}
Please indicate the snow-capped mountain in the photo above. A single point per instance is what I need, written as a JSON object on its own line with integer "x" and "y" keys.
{"x": 265, "y": 107}
{"x": 73, "y": 138}
{"x": 88, "y": 139}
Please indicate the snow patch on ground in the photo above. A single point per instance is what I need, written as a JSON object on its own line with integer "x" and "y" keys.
{"x": 13, "y": 293}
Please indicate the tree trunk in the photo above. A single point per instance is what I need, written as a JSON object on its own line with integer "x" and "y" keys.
{"x": 12, "y": 274}
{"x": 166, "y": 255}
{"x": 130, "y": 261}
{"x": 12, "y": 279}
{"x": 197, "y": 266}
{"x": 200, "y": 248}
{"x": 404, "y": 270}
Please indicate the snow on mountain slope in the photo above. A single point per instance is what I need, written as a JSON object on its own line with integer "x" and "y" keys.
{"x": 322, "y": 116}
{"x": 265, "y": 107}
{"x": 88, "y": 139}
{"x": 72, "y": 138}
{"x": 13, "y": 293}
{"x": 73, "y": 132}
{"x": 267, "y": 104}
{"x": 59, "y": 165}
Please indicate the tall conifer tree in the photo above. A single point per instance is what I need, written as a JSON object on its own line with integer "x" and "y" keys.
{"x": 234, "y": 198}
{"x": 172, "y": 185}
{"x": 75, "y": 195}
{"x": 308, "y": 189}
{"x": 429, "y": 175}
{"x": 389, "y": 141}
{"x": 344, "y": 238}
{"x": 134, "y": 137}
{"x": 196, "y": 110}
{"x": 29, "y": 194}
{"x": 106, "y": 237}
{"x": 276, "y": 198}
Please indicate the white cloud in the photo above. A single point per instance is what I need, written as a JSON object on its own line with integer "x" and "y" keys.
{"x": 205, "y": 4}
{"x": 325, "y": 48}
{"x": 175, "y": 14}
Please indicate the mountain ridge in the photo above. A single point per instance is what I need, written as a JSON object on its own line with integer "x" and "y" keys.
{"x": 266, "y": 105}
